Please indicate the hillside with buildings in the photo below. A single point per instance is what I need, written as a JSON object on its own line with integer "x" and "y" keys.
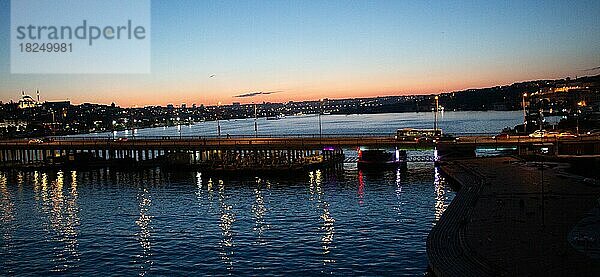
{"x": 577, "y": 101}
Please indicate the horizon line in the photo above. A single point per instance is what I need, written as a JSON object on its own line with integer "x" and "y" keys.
{"x": 305, "y": 100}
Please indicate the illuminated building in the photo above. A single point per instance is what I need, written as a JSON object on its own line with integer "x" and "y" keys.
{"x": 27, "y": 101}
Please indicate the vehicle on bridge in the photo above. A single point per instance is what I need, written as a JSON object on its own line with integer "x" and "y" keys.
{"x": 544, "y": 134}
{"x": 501, "y": 136}
{"x": 567, "y": 135}
{"x": 419, "y": 135}
{"x": 35, "y": 141}
{"x": 593, "y": 132}
{"x": 447, "y": 138}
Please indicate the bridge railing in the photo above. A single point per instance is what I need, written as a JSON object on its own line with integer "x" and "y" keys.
{"x": 312, "y": 139}
{"x": 291, "y": 143}
{"x": 252, "y": 136}
{"x": 526, "y": 139}
{"x": 213, "y": 137}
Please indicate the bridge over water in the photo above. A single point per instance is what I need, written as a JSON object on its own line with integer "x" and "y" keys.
{"x": 288, "y": 149}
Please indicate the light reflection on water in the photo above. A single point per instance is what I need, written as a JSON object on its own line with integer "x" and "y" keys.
{"x": 259, "y": 211}
{"x": 145, "y": 232}
{"x": 327, "y": 228}
{"x": 226, "y": 224}
{"x": 156, "y": 222}
{"x": 441, "y": 199}
{"x": 59, "y": 213}
{"x": 6, "y": 218}
{"x": 399, "y": 191}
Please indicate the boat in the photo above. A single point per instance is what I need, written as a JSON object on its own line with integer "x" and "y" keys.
{"x": 410, "y": 134}
{"x": 277, "y": 117}
{"x": 380, "y": 158}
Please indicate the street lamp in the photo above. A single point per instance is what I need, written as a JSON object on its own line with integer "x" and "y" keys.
{"x": 541, "y": 118}
{"x": 577, "y": 128}
{"x": 524, "y": 115}
{"x": 114, "y": 132}
{"x": 255, "y": 121}
{"x": 218, "y": 124}
{"x": 320, "y": 112}
{"x": 579, "y": 105}
{"x": 435, "y": 114}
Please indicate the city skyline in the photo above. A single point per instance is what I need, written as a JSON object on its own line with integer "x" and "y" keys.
{"x": 210, "y": 52}
{"x": 248, "y": 98}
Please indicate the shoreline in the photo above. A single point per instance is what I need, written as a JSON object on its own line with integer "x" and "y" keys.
{"x": 109, "y": 132}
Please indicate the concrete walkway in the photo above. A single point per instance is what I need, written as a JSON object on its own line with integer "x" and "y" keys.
{"x": 498, "y": 224}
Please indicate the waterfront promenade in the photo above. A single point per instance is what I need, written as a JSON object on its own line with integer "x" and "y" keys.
{"x": 512, "y": 218}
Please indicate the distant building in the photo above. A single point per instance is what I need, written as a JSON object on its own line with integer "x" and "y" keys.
{"x": 57, "y": 105}
{"x": 499, "y": 107}
{"x": 27, "y": 101}
{"x": 19, "y": 125}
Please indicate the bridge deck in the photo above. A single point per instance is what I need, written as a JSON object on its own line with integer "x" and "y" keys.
{"x": 276, "y": 142}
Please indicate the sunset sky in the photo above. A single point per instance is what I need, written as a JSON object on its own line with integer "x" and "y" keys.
{"x": 315, "y": 49}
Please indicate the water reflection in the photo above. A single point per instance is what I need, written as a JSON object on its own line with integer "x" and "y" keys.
{"x": 199, "y": 183}
{"x": 227, "y": 217}
{"x": 327, "y": 227}
{"x": 440, "y": 194}
{"x": 20, "y": 179}
{"x": 199, "y": 190}
{"x": 238, "y": 230}
{"x": 72, "y": 219}
{"x": 6, "y": 218}
{"x": 361, "y": 187}
{"x": 259, "y": 211}
{"x": 145, "y": 232}
{"x": 225, "y": 213}
{"x": 6, "y": 204}
{"x": 62, "y": 213}
{"x": 399, "y": 190}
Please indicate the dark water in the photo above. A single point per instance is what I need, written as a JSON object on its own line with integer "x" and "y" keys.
{"x": 449, "y": 122}
{"x": 153, "y": 222}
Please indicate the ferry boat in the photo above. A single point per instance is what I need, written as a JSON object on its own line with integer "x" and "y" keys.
{"x": 380, "y": 158}
{"x": 277, "y": 117}
{"x": 410, "y": 134}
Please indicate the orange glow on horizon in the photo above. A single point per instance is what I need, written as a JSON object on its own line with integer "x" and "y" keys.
{"x": 153, "y": 97}
{"x": 141, "y": 92}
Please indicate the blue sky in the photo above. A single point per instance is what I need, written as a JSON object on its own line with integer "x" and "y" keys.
{"x": 315, "y": 49}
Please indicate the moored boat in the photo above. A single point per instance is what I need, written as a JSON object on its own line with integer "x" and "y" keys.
{"x": 380, "y": 158}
